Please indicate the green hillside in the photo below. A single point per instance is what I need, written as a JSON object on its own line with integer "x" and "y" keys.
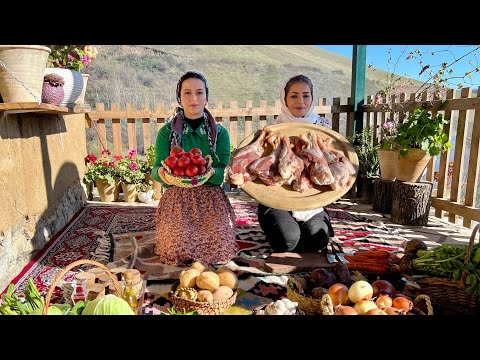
{"x": 148, "y": 73}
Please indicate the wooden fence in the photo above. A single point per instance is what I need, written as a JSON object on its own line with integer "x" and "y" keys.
{"x": 456, "y": 187}
{"x": 252, "y": 120}
{"x": 455, "y": 191}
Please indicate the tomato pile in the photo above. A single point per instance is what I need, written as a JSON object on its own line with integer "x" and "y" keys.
{"x": 186, "y": 163}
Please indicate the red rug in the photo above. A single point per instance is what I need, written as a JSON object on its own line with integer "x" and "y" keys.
{"x": 84, "y": 238}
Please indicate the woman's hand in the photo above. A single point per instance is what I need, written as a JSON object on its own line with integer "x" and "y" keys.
{"x": 161, "y": 173}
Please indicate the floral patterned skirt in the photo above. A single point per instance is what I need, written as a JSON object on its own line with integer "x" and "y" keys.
{"x": 195, "y": 224}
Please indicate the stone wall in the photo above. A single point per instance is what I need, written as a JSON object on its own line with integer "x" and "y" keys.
{"x": 41, "y": 167}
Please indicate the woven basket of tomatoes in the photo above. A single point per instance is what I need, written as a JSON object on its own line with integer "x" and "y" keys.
{"x": 187, "y": 169}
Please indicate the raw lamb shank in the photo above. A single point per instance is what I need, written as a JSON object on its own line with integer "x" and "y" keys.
{"x": 290, "y": 166}
{"x": 266, "y": 168}
{"x": 237, "y": 169}
{"x": 340, "y": 166}
{"x": 318, "y": 169}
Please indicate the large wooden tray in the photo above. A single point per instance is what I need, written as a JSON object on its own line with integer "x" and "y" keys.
{"x": 284, "y": 197}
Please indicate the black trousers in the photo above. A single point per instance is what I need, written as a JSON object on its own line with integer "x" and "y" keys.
{"x": 285, "y": 233}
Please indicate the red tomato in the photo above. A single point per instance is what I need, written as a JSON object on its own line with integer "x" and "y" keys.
{"x": 188, "y": 154}
{"x": 171, "y": 162}
{"x": 196, "y": 151}
{"x": 202, "y": 169}
{"x": 198, "y": 160}
{"x": 183, "y": 162}
{"x": 176, "y": 151}
{"x": 178, "y": 171}
{"x": 191, "y": 170}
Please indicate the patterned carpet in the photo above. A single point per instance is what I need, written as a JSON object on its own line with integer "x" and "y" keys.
{"x": 93, "y": 231}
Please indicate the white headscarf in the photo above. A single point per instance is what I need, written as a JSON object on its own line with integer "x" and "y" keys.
{"x": 310, "y": 117}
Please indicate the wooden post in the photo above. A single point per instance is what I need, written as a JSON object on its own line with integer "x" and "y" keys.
{"x": 382, "y": 196}
{"x": 411, "y": 202}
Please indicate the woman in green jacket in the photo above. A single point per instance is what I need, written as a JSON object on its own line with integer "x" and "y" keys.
{"x": 194, "y": 224}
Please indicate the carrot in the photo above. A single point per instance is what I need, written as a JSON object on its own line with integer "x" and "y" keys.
{"x": 366, "y": 259}
{"x": 373, "y": 253}
{"x": 370, "y": 267}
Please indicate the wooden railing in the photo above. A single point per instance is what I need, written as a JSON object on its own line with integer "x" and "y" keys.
{"x": 457, "y": 176}
{"x": 455, "y": 192}
{"x": 249, "y": 118}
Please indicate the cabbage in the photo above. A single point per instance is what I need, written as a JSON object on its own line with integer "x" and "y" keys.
{"x": 108, "y": 305}
{"x": 52, "y": 310}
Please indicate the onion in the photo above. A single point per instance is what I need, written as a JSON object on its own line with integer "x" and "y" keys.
{"x": 364, "y": 306}
{"x": 383, "y": 287}
{"x": 339, "y": 294}
{"x": 345, "y": 310}
{"x": 383, "y": 301}
{"x": 399, "y": 294}
{"x": 360, "y": 290}
{"x": 375, "y": 312}
{"x": 402, "y": 303}
{"x": 394, "y": 311}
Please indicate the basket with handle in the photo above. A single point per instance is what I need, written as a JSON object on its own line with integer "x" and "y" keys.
{"x": 310, "y": 305}
{"x": 187, "y": 181}
{"x": 62, "y": 273}
{"x": 203, "y": 308}
{"x": 447, "y": 295}
{"x": 324, "y": 305}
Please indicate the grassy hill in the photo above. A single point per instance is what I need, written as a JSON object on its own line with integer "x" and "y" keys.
{"x": 149, "y": 73}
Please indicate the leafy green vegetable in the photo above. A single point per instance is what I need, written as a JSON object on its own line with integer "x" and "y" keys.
{"x": 108, "y": 305}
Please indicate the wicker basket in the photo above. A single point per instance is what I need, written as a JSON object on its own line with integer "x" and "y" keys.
{"x": 324, "y": 305}
{"x": 448, "y": 296}
{"x": 306, "y": 303}
{"x": 62, "y": 273}
{"x": 187, "y": 181}
{"x": 203, "y": 308}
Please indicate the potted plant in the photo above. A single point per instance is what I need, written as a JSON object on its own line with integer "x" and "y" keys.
{"x": 68, "y": 61}
{"x": 368, "y": 161}
{"x": 146, "y": 193}
{"x": 103, "y": 172}
{"x": 131, "y": 175}
{"x": 386, "y": 152}
{"x": 147, "y": 167}
{"x": 21, "y": 72}
{"x": 419, "y": 137}
{"x": 52, "y": 90}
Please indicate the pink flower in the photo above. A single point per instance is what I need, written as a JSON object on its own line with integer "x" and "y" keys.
{"x": 133, "y": 166}
{"x": 70, "y": 57}
{"x": 388, "y": 125}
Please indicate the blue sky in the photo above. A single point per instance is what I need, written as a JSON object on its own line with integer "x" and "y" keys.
{"x": 377, "y": 56}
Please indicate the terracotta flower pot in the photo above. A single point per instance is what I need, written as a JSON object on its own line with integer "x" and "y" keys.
{"x": 105, "y": 190}
{"x": 410, "y": 167}
{"x": 387, "y": 160}
{"x": 129, "y": 192}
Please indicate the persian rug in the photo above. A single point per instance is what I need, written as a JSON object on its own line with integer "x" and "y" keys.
{"x": 92, "y": 231}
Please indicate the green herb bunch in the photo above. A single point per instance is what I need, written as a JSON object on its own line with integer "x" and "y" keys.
{"x": 366, "y": 151}
{"x": 420, "y": 130}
